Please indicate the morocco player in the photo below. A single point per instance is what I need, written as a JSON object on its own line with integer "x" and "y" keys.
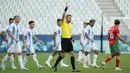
{"x": 113, "y": 37}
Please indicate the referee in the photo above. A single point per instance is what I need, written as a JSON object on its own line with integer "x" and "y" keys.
{"x": 66, "y": 41}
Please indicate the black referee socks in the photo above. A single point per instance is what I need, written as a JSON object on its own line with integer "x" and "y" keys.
{"x": 72, "y": 62}
{"x": 58, "y": 60}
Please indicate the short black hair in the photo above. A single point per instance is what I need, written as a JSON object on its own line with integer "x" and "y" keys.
{"x": 92, "y": 20}
{"x": 11, "y": 19}
{"x": 30, "y": 22}
{"x": 117, "y": 22}
{"x": 58, "y": 20}
{"x": 87, "y": 23}
{"x": 16, "y": 16}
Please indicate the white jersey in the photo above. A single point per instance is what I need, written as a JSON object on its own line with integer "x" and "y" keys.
{"x": 15, "y": 32}
{"x": 29, "y": 33}
{"x": 89, "y": 31}
{"x": 58, "y": 31}
{"x": 83, "y": 37}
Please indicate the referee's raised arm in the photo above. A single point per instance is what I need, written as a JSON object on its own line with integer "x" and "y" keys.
{"x": 65, "y": 10}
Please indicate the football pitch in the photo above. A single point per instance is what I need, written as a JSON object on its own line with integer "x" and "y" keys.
{"x": 42, "y": 57}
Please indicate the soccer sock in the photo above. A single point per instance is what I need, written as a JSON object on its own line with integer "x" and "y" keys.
{"x": 117, "y": 62}
{"x": 20, "y": 61}
{"x": 6, "y": 57}
{"x": 89, "y": 61}
{"x": 94, "y": 59}
{"x": 25, "y": 59}
{"x": 12, "y": 60}
{"x": 58, "y": 60}
{"x": 35, "y": 60}
{"x": 85, "y": 59}
{"x": 49, "y": 59}
{"x": 72, "y": 62}
{"x": 80, "y": 55}
{"x": 107, "y": 59}
{"x": 61, "y": 62}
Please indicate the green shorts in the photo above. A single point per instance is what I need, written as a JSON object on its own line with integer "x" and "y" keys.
{"x": 115, "y": 48}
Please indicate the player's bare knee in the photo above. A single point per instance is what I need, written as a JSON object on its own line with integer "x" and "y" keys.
{"x": 19, "y": 53}
{"x": 27, "y": 54}
{"x": 96, "y": 52}
{"x": 71, "y": 53}
{"x": 86, "y": 53}
{"x": 118, "y": 57}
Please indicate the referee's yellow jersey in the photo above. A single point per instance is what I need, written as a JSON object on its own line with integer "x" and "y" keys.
{"x": 66, "y": 29}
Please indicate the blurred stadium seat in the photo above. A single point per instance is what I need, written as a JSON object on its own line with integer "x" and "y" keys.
{"x": 46, "y": 12}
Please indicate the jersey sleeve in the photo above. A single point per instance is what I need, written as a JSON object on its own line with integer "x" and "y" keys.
{"x": 87, "y": 30}
{"x": 25, "y": 33}
{"x": 56, "y": 29}
{"x": 11, "y": 27}
{"x": 33, "y": 33}
{"x": 117, "y": 31}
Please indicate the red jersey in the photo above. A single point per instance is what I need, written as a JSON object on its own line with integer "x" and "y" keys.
{"x": 112, "y": 33}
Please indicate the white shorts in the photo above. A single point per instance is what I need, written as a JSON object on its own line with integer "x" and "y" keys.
{"x": 90, "y": 47}
{"x": 29, "y": 49}
{"x": 14, "y": 48}
{"x": 10, "y": 47}
{"x": 58, "y": 47}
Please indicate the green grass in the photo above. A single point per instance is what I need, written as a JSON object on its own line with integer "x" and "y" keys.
{"x": 42, "y": 57}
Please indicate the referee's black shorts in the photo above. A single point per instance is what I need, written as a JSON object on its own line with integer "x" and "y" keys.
{"x": 66, "y": 45}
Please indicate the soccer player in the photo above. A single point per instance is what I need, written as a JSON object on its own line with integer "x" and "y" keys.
{"x": 90, "y": 45}
{"x": 57, "y": 45}
{"x": 28, "y": 44}
{"x": 66, "y": 42}
{"x": 113, "y": 37}
{"x": 14, "y": 42}
{"x": 82, "y": 42}
{"x": 8, "y": 55}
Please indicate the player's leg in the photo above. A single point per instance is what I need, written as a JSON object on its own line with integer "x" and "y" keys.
{"x": 118, "y": 61}
{"x": 26, "y": 58}
{"x": 95, "y": 58}
{"x": 34, "y": 56}
{"x": 51, "y": 57}
{"x": 80, "y": 55}
{"x": 18, "y": 50}
{"x": 61, "y": 62}
{"x": 85, "y": 60}
{"x": 10, "y": 56}
{"x": 58, "y": 60}
{"x": 4, "y": 61}
{"x": 112, "y": 49}
{"x": 94, "y": 47}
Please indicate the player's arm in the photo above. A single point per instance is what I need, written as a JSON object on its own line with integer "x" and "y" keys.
{"x": 54, "y": 38}
{"x": 80, "y": 38}
{"x": 24, "y": 41}
{"x": 86, "y": 34}
{"x": 10, "y": 34}
{"x": 120, "y": 38}
{"x": 65, "y": 11}
{"x": 72, "y": 39}
{"x": 36, "y": 39}
{"x": 2, "y": 35}
{"x": 6, "y": 39}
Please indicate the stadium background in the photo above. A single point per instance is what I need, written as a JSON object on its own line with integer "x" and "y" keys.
{"x": 45, "y": 14}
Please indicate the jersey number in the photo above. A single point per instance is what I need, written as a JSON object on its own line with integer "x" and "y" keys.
{"x": 111, "y": 35}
